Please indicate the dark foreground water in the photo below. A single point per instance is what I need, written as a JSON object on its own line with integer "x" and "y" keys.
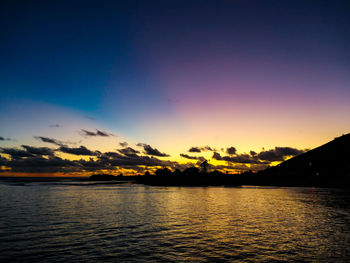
{"x": 77, "y": 222}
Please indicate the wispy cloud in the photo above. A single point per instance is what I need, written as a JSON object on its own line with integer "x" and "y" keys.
{"x": 55, "y": 126}
{"x": 201, "y": 158}
{"x": 82, "y": 150}
{"x": 86, "y": 133}
{"x": 196, "y": 149}
{"x": 152, "y": 151}
{"x": 128, "y": 151}
{"x": 5, "y": 139}
{"x": 123, "y": 144}
{"x": 50, "y": 140}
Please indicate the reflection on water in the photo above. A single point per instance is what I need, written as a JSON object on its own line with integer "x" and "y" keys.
{"x": 56, "y": 222}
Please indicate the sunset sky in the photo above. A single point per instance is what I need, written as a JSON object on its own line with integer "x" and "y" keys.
{"x": 128, "y": 86}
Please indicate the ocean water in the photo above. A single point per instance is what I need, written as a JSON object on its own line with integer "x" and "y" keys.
{"x": 67, "y": 221}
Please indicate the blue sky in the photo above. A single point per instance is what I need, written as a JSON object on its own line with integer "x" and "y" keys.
{"x": 248, "y": 74}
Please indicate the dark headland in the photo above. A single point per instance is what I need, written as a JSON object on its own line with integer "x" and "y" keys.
{"x": 324, "y": 166}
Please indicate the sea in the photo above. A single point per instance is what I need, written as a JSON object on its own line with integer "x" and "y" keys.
{"x": 69, "y": 220}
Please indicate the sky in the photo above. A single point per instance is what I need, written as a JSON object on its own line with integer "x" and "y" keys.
{"x": 269, "y": 79}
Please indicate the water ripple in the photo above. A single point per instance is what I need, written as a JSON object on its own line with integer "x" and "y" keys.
{"x": 128, "y": 223}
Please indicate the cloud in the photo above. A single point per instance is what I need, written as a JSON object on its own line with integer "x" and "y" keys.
{"x": 231, "y": 150}
{"x": 43, "y": 159}
{"x": 5, "y": 139}
{"x": 82, "y": 150}
{"x": 123, "y": 144}
{"x": 3, "y": 161}
{"x": 16, "y": 153}
{"x": 241, "y": 158}
{"x": 208, "y": 148}
{"x": 245, "y": 158}
{"x": 252, "y": 153}
{"x": 106, "y": 161}
{"x": 264, "y": 157}
{"x": 89, "y": 118}
{"x": 29, "y": 151}
{"x": 200, "y": 158}
{"x": 117, "y": 159}
{"x": 38, "y": 150}
{"x": 49, "y": 140}
{"x": 194, "y": 150}
{"x": 111, "y": 155}
{"x": 278, "y": 154}
{"x": 152, "y": 151}
{"x": 200, "y": 149}
{"x": 52, "y": 164}
{"x": 217, "y": 156}
{"x": 128, "y": 151}
{"x": 54, "y": 125}
{"x": 100, "y": 133}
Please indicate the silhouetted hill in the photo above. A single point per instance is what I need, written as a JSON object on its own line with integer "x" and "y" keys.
{"x": 327, "y": 165}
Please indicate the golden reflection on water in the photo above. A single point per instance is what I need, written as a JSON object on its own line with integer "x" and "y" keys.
{"x": 178, "y": 223}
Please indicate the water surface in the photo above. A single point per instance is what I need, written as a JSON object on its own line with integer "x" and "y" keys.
{"x": 83, "y": 222}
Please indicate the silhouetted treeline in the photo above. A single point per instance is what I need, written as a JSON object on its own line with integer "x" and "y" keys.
{"x": 191, "y": 177}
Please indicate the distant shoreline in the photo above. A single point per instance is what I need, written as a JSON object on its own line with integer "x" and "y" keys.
{"x": 235, "y": 180}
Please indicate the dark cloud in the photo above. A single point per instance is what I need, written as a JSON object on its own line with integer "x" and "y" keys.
{"x": 117, "y": 159}
{"x": 54, "y": 125}
{"x": 278, "y": 154}
{"x": 106, "y": 161}
{"x": 200, "y": 149}
{"x": 49, "y": 140}
{"x": 194, "y": 150}
{"x": 43, "y": 159}
{"x": 87, "y": 133}
{"x": 252, "y": 153}
{"x": 123, "y": 144}
{"x": 128, "y": 151}
{"x": 208, "y": 148}
{"x": 200, "y": 158}
{"x": 38, "y": 150}
{"x": 231, "y": 150}
{"x": 241, "y": 158}
{"x": 244, "y": 158}
{"x": 101, "y": 133}
{"x": 16, "y": 153}
{"x": 82, "y": 150}
{"x": 40, "y": 164}
{"x": 217, "y": 156}
{"x": 264, "y": 157}
{"x": 152, "y": 151}
{"x": 3, "y": 161}
{"x": 111, "y": 155}
{"x": 2, "y": 138}
{"x": 29, "y": 151}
